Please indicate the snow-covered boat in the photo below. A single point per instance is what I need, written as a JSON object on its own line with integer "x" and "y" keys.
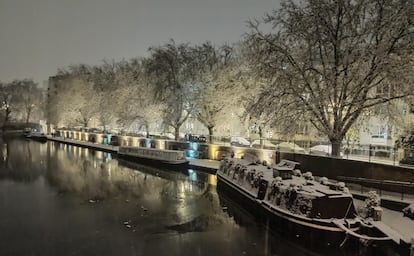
{"x": 309, "y": 207}
{"x": 38, "y": 136}
{"x": 153, "y": 156}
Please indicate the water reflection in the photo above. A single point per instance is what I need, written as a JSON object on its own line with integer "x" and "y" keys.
{"x": 94, "y": 174}
{"x": 24, "y": 169}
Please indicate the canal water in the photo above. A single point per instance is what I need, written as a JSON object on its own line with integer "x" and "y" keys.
{"x": 57, "y": 199}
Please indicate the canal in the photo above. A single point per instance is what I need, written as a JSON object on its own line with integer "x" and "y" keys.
{"x": 57, "y": 199}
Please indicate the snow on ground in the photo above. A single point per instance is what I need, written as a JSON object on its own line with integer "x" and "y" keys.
{"x": 395, "y": 220}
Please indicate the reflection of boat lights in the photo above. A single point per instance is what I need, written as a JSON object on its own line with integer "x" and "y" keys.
{"x": 182, "y": 190}
{"x": 109, "y": 172}
{"x": 107, "y": 156}
{"x": 212, "y": 179}
{"x": 192, "y": 175}
{"x": 4, "y": 151}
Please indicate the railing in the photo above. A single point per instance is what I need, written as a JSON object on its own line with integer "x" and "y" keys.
{"x": 391, "y": 188}
{"x": 367, "y": 153}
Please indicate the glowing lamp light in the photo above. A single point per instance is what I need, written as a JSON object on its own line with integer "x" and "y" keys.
{"x": 194, "y": 145}
{"x": 147, "y": 142}
{"x": 191, "y": 154}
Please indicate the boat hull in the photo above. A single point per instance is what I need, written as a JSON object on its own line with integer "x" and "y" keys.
{"x": 173, "y": 165}
{"x": 42, "y": 139}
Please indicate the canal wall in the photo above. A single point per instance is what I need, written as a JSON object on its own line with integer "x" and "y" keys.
{"x": 334, "y": 167}
{"x": 382, "y": 176}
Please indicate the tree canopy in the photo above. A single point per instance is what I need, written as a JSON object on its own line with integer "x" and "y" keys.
{"x": 334, "y": 59}
{"x": 21, "y": 100}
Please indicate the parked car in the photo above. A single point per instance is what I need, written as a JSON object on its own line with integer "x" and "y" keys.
{"x": 195, "y": 138}
{"x": 289, "y": 147}
{"x": 239, "y": 141}
{"x": 324, "y": 150}
{"x": 265, "y": 144}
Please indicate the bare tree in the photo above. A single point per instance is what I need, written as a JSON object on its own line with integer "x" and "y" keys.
{"x": 332, "y": 57}
{"x": 6, "y": 97}
{"x": 29, "y": 97}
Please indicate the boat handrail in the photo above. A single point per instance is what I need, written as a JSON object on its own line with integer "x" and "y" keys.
{"x": 153, "y": 153}
{"x": 353, "y": 233}
{"x": 151, "y": 149}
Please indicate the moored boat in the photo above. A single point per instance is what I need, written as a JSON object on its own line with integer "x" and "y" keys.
{"x": 38, "y": 136}
{"x": 153, "y": 156}
{"x": 300, "y": 203}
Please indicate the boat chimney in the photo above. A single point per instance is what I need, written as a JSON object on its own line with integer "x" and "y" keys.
{"x": 376, "y": 213}
{"x": 372, "y": 203}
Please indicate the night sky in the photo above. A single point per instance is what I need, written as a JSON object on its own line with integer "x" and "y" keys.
{"x": 40, "y": 36}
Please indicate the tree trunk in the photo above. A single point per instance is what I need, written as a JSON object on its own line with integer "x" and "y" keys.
{"x": 336, "y": 146}
{"x": 261, "y": 136}
{"x": 147, "y": 130}
{"x": 210, "y": 134}
{"x": 29, "y": 111}
{"x": 6, "y": 118}
{"x": 176, "y": 133}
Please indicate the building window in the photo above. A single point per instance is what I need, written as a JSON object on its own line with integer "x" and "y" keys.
{"x": 383, "y": 90}
{"x": 381, "y": 131}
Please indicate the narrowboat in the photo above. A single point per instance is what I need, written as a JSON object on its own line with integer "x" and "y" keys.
{"x": 38, "y": 136}
{"x": 302, "y": 204}
{"x": 153, "y": 156}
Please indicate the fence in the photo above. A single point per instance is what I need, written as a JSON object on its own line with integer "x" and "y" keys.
{"x": 385, "y": 188}
{"x": 362, "y": 152}
{"x": 368, "y": 153}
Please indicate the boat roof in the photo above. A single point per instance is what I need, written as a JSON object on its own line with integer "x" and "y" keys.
{"x": 311, "y": 188}
{"x": 150, "y": 149}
